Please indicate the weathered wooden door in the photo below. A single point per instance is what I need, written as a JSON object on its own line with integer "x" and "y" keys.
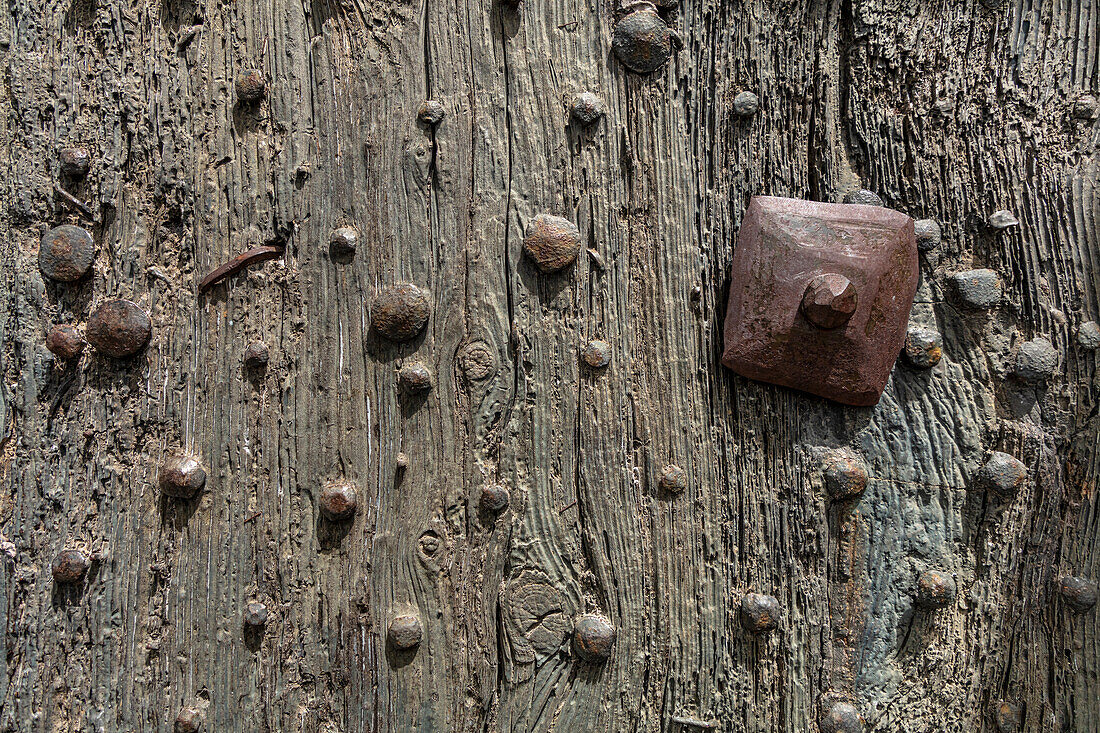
{"x": 526, "y": 492}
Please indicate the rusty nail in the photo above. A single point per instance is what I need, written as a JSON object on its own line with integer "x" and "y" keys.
{"x": 586, "y": 108}
{"x": 844, "y": 474}
{"x": 74, "y": 201}
{"x": 255, "y": 614}
{"x": 65, "y": 342}
{"x": 1002, "y": 474}
{"x": 66, "y": 253}
{"x": 400, "y": 312}
{"x": 75, "y": 161}
{"x": 238, "y": 263}
{"x": 978, "y": 288}
{"x": 339, "y": 501}
{"x": 342, "y": 243}
{"x": 863, "y": 197}
{"x": 759, "y": 613}
{"x": 70, "y": 566}
{"x": 254, "y": 517}
{"x": 641, "y": 41}
{"x": 430, "y": 113}
{"x": 1007, "y": 717}
{"x": 414, "y": 378}
{"x": 1079, "y": 593}
{"x": 118, "y": 328}
{"x": 596, "y": 354}
{"x": 928, "y": 234}
{"x": 841, "y": 717}
{"x": 494, "y": 497}
{"x": 251, "y": 86}
{"x": 593, "y": 637}
{"x": 188, "y": 721}
{"x": 1036, "y": 361}
{"x": 181, "y": 476}
{"x": 934, "y": 590}
{"x": 745, "y": 104}
{"x": 673, "y": 479}
{"x": 551, "y": 242}
{"x": 405, "y": 632}
{"x": 923, "y": 347}
{"x": 829, "y": 301}
{"x": 257, "y": 355}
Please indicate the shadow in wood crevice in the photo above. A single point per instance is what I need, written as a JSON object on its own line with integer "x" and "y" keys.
{"x": 547, "y": 286}
{"x": 331, "y": 534}
{"x": 174, "y": 14}
{"x": 176, "y": 513}
{"x": 248, "y": 117}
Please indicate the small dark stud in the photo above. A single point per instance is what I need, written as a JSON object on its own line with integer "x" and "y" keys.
{"x": 66, "y": 253}
{"x": 923, "y": 347}
{"x": 65, "y": 342}
{"x": 251, "y": 87}
{"x": 759, "y": 613}
{"x": 978, "y": 288}
{"x": 586, "y": 108}
{"x": 495, "y": 497}
{"x": 593, "y": 637}
{"x": 75, "y": 161}
{"x": 339, "y": 501}
{"x": 255, "y": 614}
{"x": 188, "y": 721}
{"x": 841, "y": 717}
{"x": 70, "y": 566}
{"x": 414, "y": 378}
{"x": 400, "y": 312}
{"x": 596, "y": 354}
{"x": 430, "y": 113}
{"x": 405, "y": 632}
{"x": 829, "y": 301}
{"x": 1002, "y": 474}
{"x": 552, "y": 242}
{"x": 863, "y": 197}
{"x": 1007, "y": 717}
{"x": 641, "y": 41}
{"x": 673, "y": 479}
{"x": 342, "y": 243}
{"x": 928, "y": 234}
{"x": 1078, "y": 593}
{"x": 181, "y": 476}
{"x": 257, "y": 355}
{"x": 934, "y": 590}
{"x": 1088, "y": 336}
{"x": 1036, "y": 361}
{"x": 845, "y": 476}
{"x": 746, "y": 104}
{"x": 119, "y": 328}
{"x": 1003, "y": 219}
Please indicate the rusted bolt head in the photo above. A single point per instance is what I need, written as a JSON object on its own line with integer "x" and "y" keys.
{"x": 256, "y": 356}
{"x": 75, "y": 161}
{"x": 745, "y": 104}
{"x": 400, "y": 312}
{"x": 1003, "y": 219}
{"x": 405, "y": 632}
{"x": 928, "y": 234}
{"x": 934, "y": 589}
{"x": 829, "y": 301}
{"x": 1088, "y": 335}
{"x": 181, "y": 476}
{"x": 759, "y": 613}
{"x": 414, "y": 378}
{"x": 66, "y": 253}
{"x": 863, "y": 197}
{"x": 65, "y": 342}
{"x": 552, "y": 242}
{"x": 339, "y": 501}
{"x": 593, "y": 637}
{"x": 923, "y": 347}
{"x": 1007, "y": 717}
{"x": 430, "y": 113}
{"x": 69, "y": 566}
{"x": 1036, "y": 361}
{"x": 596, "y": 354}
{"x": 119, "y": 328}
{"x": 255, "y": 614}
{"x": 586, "y": 108}
{"x": 343, "y": 242}
{"x": 978, "y": 288}
{"x": 1079, "y": 593}
{"x": 1002, "y": 474}
{"x": 641, "y": 41}
{"x": 494, "y": 497}
{"x": 188, "y": 721}
{"x": 841, "y": 717}
{"x": 844, "y": 474}
{"x": 673, "y": 479}
{"x": 251, "y": 86}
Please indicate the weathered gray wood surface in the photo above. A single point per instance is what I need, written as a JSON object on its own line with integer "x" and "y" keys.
{"x": 948, "y": 110}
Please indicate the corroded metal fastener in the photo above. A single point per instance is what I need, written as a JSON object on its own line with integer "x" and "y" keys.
{"x": 841, "y": 717}
{"x": 400, "y": 312}
{"x": 70, "y": 566}
{"x": 238, "y": 263}
{"x": 745, "y": 104}
{"x": 430, "y": 113}
{"x": 551, "y": 242}
{"x": 928, "y": 234}
{"x": 75, "y": 161}
{"x": 1007, "y": 717}
{"x": 593, "y": 637}
{"x": 1002, "y": 474}
{"x": 759, "y": 613}
{"x": 257, "y": 355}
{"x": 596, "y": 354}
{"x": 343, "y": 243}
{"x": 673, "y": 479}
{"x": 66, "y": 253}
{"x": 923, "y": 347}
{"x": 65, "y": 342}
{"x": 1079, "y": 593}
{"x": 339, "y": 501}
{"x": 1036, "y": 361}
{"x": 414, "y": 378}
{"x": 1088, "y": 335}
{"x": 405, "y": 632}
{"x": 845, "y": 476}
{"x": 586, "y": 108}
{"x": 641, "y": 41}
{"x": 188, "y": 721}
{"x": 255, "y": 614}
{"x": 119, "y": 328}
{"x": 863, "y": 197}
{"x": 181, "y": 476}
{"x": 785, "y": 245}
{"x": 495, "y": 497}
{"x": 934, "y": 590}
{"x": 978, "y": 288}
{"x": 251, "y": 86}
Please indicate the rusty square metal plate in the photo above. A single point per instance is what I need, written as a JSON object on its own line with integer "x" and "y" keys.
{"x": 820, "y": 296}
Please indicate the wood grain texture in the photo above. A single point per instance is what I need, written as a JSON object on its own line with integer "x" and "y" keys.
{"x": 947, "y": 110}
